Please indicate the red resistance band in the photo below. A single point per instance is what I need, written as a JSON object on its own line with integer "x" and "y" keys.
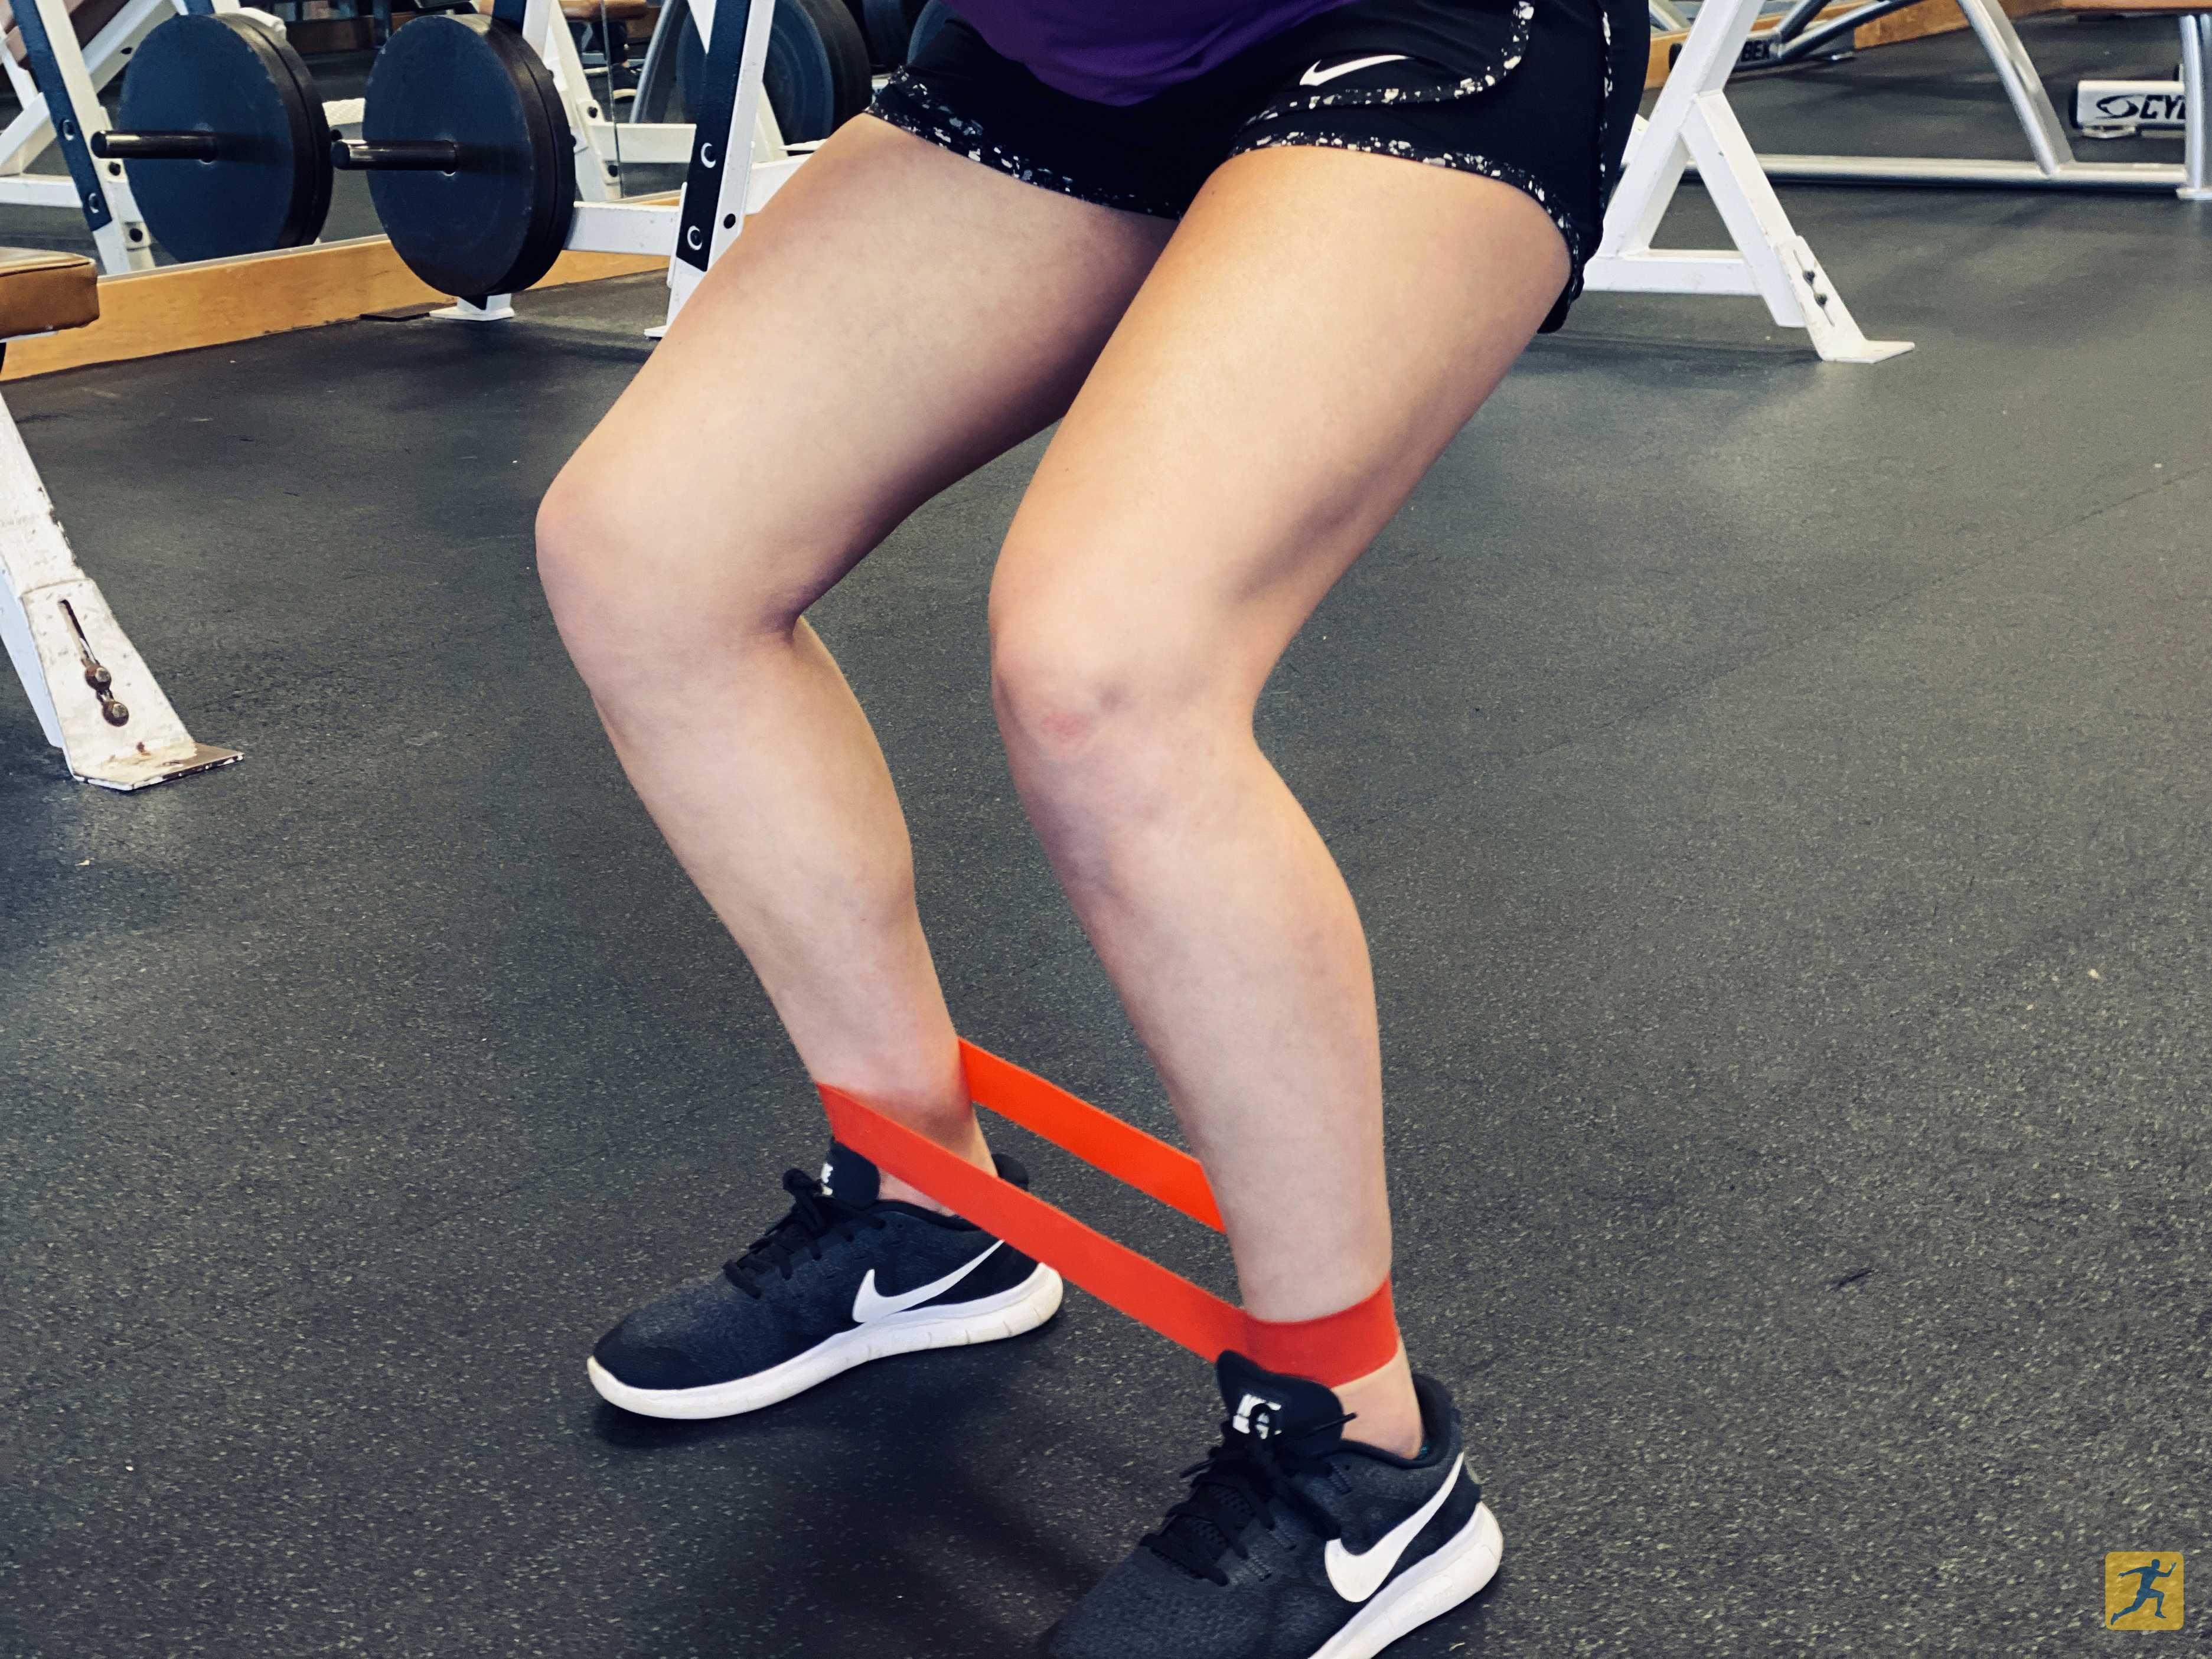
{"x": 1335, "y": 1348}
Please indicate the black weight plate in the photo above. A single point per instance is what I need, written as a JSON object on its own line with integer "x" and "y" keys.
{"x": 932, "y": 16}
{"x": 234, "y": 76}
{"x": 495, "y": 223}
{"x": 857, "y": 12}
{"x": 690, "y": 69}
{"x": 885, "y": 24}
{"x": 817, "y": 74}
{"x": 817, "y": 77}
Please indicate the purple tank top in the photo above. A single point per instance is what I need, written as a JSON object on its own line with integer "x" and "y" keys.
{"x": 1122, "y": 52}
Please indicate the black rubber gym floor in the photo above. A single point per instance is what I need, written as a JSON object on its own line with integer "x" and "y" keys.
{"x": 1778, "y": 795}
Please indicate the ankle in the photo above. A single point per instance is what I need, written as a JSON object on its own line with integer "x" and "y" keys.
{"x": 930, "y": 1099}
{"x": 1387, "y": 1413}
{"x": 964, "y": 1140}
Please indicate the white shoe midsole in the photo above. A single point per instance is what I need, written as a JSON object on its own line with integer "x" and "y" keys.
{"x": 986, "y": 1319}
{"x": 1461, "y": 1565}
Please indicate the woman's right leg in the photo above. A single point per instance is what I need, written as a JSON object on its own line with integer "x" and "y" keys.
{"x": 897, "y": 316}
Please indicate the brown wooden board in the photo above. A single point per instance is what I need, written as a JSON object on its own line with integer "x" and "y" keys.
{"x": 217, "y": 302}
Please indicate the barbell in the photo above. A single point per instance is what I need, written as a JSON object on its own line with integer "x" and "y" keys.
{"x": 470, "y": 157}
{"x": 465, "y": 136}
{"x": 224, "y": 138}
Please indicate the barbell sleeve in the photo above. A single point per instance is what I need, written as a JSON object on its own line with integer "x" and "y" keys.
{"x": 157, "y": 146}
{"x": 395, "y": 155}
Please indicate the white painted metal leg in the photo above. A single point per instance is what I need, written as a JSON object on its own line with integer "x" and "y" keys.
{"x": 1797, "y": 291}
{"x": 496, "y": 308}
{"x": 721, "y": 155}
{"x": 546, "y": 29}
{"x": 96, "y": 700}
{"x": 1692, "y": 121}
{"x": 2023, "y": 85}
{"x": 23, "y": 138}
{"x": 26, "y": 137}
{"x": 122, "y": 241}
{"x": 2196, "y": 95}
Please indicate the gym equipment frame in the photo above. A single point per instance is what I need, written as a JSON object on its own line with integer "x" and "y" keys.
{"x": 118, "y": 231}
{"x": 2054, "y": 166}
{"x": 549, "y": 176}
{"x": 1692, "y": 123}
{"x": 96, "y": 700}
{"x": 97, "y": 186}
{"x": 733, "y": 103}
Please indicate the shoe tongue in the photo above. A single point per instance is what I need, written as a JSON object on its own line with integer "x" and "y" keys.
{"x": 1269, "y": 1406}
{"x": 848, "y": 1177}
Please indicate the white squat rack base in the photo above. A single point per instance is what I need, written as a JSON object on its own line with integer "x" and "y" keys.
{"x": 1693, "y": 122}
{"x": 57, "y": 629}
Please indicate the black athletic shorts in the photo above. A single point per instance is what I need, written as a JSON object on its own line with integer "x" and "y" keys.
{"x": 1537, "y": 94}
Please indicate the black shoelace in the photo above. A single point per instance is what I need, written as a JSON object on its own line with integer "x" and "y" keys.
{"x": 814, "y": 1216}
{"x": 1245, "y": 1481}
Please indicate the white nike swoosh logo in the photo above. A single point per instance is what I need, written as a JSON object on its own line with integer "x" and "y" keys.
{"x": 869, "y": 1305}
{"x": 1356, "y": 1578}
{"x": 1315, "y": 75}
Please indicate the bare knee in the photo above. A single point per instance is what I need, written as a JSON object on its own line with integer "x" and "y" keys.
{"x": 639, "y": 603}
{"x": 1064, "y": 704}
{"x": 1103, "y": 714}
{"x": 578, "y": 536}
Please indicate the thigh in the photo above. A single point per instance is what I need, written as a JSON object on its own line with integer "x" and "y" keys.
{"x": 1321, "y": 325}
{"x": 896, "y": 316}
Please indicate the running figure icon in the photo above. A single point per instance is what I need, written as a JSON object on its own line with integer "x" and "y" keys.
{"x": 2145, "y": 1576}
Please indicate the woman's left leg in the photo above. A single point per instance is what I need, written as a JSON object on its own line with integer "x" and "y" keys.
{"x": 1321, "y": 326}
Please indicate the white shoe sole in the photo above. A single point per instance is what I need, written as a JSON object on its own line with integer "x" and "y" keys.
{"x": 988, "y": 1319}
{"x": 1422, "y": 1592}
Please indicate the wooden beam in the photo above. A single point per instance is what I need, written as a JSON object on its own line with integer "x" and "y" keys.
{"x": 218, "y": 301}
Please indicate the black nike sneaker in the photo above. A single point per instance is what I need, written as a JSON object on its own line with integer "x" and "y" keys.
{"x": 843, "y": 1278}
{"x": 1296, "y": 1543}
